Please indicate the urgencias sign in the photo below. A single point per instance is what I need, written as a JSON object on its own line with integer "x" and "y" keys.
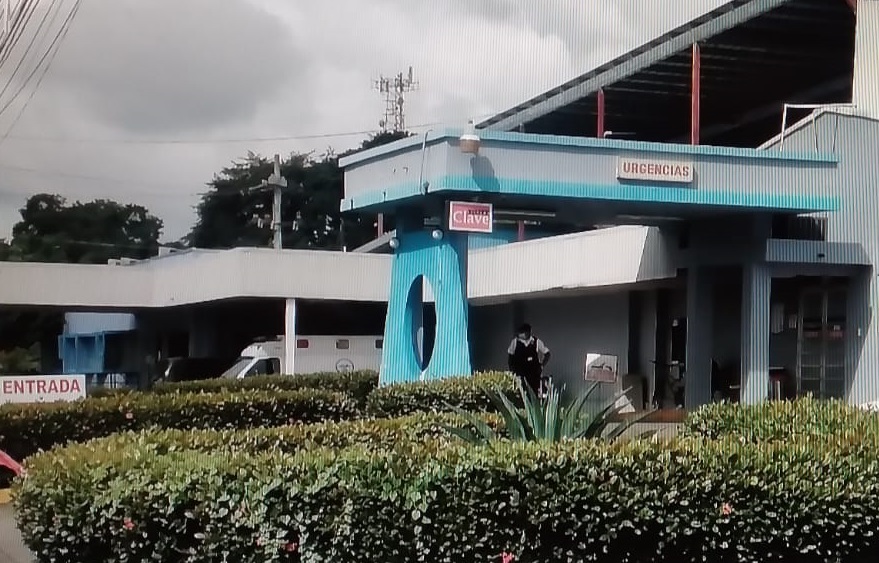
{"x": 41, "y": 388}
{"x": 470, "y": 217}
{"x": 655, "y": 170}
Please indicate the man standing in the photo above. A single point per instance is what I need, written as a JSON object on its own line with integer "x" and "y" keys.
{"x": 527, "y": 356}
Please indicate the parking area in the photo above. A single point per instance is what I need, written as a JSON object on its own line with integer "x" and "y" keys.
{"x": 12, "y": 550}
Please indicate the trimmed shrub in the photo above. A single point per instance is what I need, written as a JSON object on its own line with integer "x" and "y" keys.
{"x": 684, "y": 501}
{"x": 465, "y": 393}
{"x": 358, "y": 384}
{"x": 27, "y": 429}
{"x": 781, "y": 420}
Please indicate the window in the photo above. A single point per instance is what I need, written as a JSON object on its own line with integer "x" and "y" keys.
{"x": 343, "y": 344}
{"x": 379, "y": 344}
{"x": 302, "y": 343}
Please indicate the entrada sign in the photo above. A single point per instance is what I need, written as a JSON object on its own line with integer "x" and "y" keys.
{"x": 41, "y": 388}
{"x": 470, "y": 217}
{"x": 654, "y": 170}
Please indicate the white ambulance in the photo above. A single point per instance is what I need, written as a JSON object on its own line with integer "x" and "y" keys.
{"x": 313, "y": 354}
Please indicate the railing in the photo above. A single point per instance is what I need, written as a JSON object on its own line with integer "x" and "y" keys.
{"x": 816, "y": 108}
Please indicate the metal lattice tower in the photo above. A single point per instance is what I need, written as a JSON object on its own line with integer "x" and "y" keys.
{"x": 394, "y": 90}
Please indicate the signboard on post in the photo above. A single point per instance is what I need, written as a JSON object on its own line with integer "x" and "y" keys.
{"x": 471, "y": 217}
{"x": 41, "y": 388}
{"x": 601, "y": 368}
{"x": 655, "y": 170}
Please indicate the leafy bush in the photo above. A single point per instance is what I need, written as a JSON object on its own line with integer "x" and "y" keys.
{"x": 683, "y": 501}
{"x": 544, "y": 419}
{"x": 436, "y": 396}
{"x": 358, "y": 384}
{"x": 27, "y": 429}
{"x": 781, "y": 420}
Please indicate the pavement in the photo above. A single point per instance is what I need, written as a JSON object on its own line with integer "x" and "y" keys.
{"x": 12, "y": 550}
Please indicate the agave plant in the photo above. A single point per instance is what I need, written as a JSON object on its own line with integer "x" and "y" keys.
{"x": 545, "y": 419}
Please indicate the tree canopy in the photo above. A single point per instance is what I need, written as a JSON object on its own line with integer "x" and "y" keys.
{"x": 232, "y": 213}
{"x": 51, "y": 230}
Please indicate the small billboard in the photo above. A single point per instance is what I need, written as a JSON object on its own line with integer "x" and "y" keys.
{"x": 469, "y": 217}
{"x": 41, "y": 388}
{"x": 601, "y": 368}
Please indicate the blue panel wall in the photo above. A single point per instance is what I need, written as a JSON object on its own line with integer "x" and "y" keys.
{"x": 442, "y": 264}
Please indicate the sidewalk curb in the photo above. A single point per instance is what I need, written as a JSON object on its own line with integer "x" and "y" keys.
{"x": 5, "y": 496}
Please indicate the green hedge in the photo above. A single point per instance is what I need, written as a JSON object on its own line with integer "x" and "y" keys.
{"x": 434, "y": 396}
{"x": 781, "y": 420}
{"x": 684, "y": 501}
{"x": 27, "y": 429}
{"x": 358, "y": 384}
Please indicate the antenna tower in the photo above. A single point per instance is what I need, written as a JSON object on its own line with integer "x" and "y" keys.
{"x": 394, "y": 89}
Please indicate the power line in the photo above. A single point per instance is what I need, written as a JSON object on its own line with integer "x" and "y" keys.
{"x": 50, "y": 54}
{"x": 45, "y": 18}
{"x": 23, "y": 18}
{"x": 219, "y": 141}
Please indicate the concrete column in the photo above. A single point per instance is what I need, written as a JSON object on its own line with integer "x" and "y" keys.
{"x": 865, "y": 88}
{"x": 700, "y": 337}
{"x": 290, "y": 337}
{"x": 756, "y": 295}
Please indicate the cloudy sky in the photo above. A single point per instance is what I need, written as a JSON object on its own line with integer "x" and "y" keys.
{"x": 147, "y": 99}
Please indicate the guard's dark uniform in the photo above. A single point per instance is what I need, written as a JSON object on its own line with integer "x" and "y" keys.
{"x": 526, "y": 360}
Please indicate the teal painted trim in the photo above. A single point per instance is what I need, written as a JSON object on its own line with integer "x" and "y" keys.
{"x": 639, "y": 193}
{"x": 707, "y": 151}
{"x": 392, "y": 194}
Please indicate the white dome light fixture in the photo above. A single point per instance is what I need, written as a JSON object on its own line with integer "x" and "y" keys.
{"x": 470, "y": 141}
{"x": 437, "y": 234}
{"x": 394, "y": 243}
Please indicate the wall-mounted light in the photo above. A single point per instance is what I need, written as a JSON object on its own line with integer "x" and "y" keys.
{"x": 394, "y": 243}
{"x": 437, "y": 234}
{"x": 470, "y": 141}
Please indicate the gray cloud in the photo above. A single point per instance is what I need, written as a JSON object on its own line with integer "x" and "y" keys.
{"x": 239, "y": 69}
{"x": 168, "y": 66}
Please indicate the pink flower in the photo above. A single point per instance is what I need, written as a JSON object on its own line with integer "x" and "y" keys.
{"x": 726, "y": 509}
{"x": 507, "y": 557}
{"x": 259, "y": 542}
{"x": 129, "y": 415}
{"x": 127, "y": 523}
{"x": 291, "y": 547}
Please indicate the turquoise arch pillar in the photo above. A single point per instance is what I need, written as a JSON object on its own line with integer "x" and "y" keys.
{"x": 443, "y": 264}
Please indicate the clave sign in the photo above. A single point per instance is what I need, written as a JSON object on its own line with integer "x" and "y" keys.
{"x": 654, "y": 170}
{"x": 470, "y": 217}
{"x": 41, "y": 388}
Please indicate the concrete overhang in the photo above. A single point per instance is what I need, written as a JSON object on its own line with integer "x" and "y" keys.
{"x": 580, "y": 177}
{"x": 579, "y": 262}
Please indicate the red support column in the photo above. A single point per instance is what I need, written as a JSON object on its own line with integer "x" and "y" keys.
{"x": 601, "y": 113}
{"x": 695, "y": 94}
{"x": 520, "y": 236}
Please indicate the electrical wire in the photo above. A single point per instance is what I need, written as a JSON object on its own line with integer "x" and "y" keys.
{"x": 220, "y": 141}
{"x": 17, "y": 27}
{"x": 55, "y": 4}
{"x": 50, "y": 53}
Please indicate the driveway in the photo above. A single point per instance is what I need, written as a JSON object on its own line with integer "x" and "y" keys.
{"x": 12, "y": 550}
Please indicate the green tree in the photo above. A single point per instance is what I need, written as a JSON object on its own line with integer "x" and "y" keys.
{"x": 51, "y": 230}
{"x": 232, "y": 214}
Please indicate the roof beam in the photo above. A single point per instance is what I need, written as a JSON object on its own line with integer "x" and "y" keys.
{"x": 771, "y": 109}
{"x": 682, "y": 38}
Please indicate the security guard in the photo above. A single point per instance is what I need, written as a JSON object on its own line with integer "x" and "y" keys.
{"x": 527, "y": 357}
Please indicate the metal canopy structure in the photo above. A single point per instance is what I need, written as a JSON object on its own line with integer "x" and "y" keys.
{"x": 754, "y": 56}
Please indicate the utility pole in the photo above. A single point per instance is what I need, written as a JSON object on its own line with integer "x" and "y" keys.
{"x": 277, "y": 184}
